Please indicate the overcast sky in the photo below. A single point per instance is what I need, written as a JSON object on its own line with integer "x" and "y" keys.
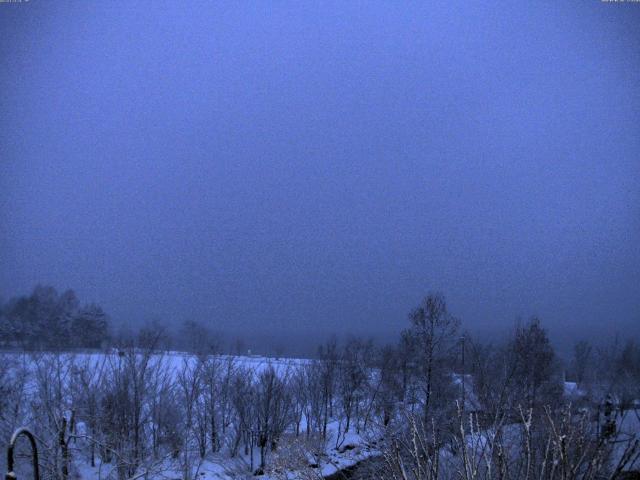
{"x": 310, "y": 166}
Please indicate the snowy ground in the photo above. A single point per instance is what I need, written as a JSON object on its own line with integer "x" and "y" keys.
{"x": 338, "y": 452}
{"x": 351, "y": 450}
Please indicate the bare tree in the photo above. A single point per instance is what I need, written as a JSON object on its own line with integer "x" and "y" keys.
{"x": 211, "y": 391}
{"x": 88, "y": 376}
{"x": 582, "y": 362}
{"x": 241, "y": 401}
{"x": 273, "y": 410}
{"x": 316, "y": 395}
{"x": 52, "y": 410}
{"x": 328, "y": 363}
{"x": 189, "y": 384}
{"x": 536, "y": 380}
{"x": 299, "y": 397}
{"x": 566, "y": 450}
{"x": 434, "y": 330}
{"x": 353, "y": 377}
{"x": 390, "y": 384}
{"x": 125, "y": 400}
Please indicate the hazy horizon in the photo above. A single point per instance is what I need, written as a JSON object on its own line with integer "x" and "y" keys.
{"x": 292, "y": 168}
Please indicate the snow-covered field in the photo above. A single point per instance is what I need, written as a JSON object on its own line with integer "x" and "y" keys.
{"x": 315, "y": 458}
{"x": 300, "y": 455}
{"x": 353, "y": 449}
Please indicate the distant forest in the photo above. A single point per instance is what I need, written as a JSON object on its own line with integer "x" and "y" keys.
{"x": 52, "y": 321}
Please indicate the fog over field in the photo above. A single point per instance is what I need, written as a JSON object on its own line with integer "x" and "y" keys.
{"x": 288, "y": 167}
{"x": 388, "y": 240}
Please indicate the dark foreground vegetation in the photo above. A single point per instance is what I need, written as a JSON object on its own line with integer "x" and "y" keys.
{"x": 437, "y": 404}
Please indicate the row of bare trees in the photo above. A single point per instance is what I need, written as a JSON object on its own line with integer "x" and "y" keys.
{"x": 509, "y": 413}
{"x": 139, "y": 410}
{"x": 437, "y": 404}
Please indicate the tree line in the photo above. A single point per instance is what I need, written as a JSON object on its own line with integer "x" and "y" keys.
{"x": 436, "y": 404}
{"x": 48, "y": 320}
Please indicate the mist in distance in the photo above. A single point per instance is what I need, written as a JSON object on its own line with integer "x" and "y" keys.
{"x": 287, "y": 171}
